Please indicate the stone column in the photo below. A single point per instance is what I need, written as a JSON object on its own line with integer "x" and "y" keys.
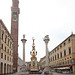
{"x": 23, "y": 68}
{"x": 46, "y": 39}
{"x": 23, "y": 41}
{"x": 3, "y": 68}
{"x": 6, "y": 68}
{"x": 47, "y": 68}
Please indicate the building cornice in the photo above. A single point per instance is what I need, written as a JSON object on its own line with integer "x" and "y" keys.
{"x": 6, "y": 29}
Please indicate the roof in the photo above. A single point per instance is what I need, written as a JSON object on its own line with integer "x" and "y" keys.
{"x": 6, "y": 28}
{"x": 62, "y": 42}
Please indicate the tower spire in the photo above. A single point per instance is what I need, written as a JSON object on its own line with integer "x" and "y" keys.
{"x": 14, "y": 31}
{"x": 33, "y": 46}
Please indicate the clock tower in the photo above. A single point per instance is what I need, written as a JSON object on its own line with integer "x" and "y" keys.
{"x": 14, "y": 31}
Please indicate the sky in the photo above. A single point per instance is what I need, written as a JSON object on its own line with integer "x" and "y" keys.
{"x": 38, "y": 18}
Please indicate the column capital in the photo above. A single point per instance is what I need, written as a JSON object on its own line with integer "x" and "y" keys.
{"x": 46, "y": 39}
{"x": 23, "y": 40}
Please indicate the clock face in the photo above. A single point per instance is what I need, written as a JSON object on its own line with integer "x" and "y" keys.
{"x": 15, "y": 16}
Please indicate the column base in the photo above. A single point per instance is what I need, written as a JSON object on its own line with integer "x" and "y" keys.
{"x": 47, "y": 71}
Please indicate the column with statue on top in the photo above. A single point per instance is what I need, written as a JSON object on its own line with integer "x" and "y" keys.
{"x": 23, "y": 69}
{"x": 33, "y": 58}
{"x": 47, "y": 69}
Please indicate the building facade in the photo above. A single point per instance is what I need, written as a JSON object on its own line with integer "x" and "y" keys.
{"x": 6, "y": 50}
{"x": 20, "y": 63}
{"x": 62, "y": 57}
{"x": 14, "y": 31}
{"x": 42, "y": 63}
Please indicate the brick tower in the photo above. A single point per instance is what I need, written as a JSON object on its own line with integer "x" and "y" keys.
{"x": 14, "y": 31}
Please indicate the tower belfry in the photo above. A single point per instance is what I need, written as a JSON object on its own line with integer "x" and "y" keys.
{"x": 33, "y": 58}
{"x": 15, "y": 3}
{"x": 14, "y": 31}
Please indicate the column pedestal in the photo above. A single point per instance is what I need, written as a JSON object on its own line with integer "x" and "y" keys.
{"x": 47, "y": 71}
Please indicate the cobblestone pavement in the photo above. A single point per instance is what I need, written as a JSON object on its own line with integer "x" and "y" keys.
{"x": 54, "y": 73}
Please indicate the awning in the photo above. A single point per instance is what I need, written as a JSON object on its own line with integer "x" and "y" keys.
{"x": 63, "y": 68}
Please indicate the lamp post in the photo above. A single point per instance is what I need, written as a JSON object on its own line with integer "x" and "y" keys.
{"x": 47, "y": 68}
